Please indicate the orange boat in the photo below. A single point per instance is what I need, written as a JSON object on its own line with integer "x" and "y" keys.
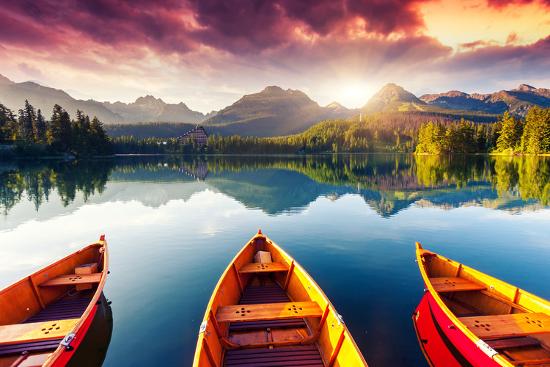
{"x": 267, "y": 311}
{"x": 478, "y": 320}
{"x": 45, "y": 316}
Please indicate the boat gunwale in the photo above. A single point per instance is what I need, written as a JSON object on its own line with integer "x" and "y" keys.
{"x": 229, "y": 267}
{"x": 420, "y": 251}
{"x": 101, "y": 243}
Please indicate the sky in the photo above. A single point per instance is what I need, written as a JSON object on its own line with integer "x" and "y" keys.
{"x": 208, "y": 53}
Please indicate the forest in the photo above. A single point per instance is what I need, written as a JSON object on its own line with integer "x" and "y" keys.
{"x": 31, "y": 134}
{"x": 509, "y": 135}
{"x": 418, "y": 133}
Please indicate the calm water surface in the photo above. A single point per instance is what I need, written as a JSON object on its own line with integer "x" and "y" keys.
{"x": 173, "y": 224}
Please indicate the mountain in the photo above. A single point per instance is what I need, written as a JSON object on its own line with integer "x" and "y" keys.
{"x": 516, "y": 101}
{"x": 13, "y": 96}
{"x": 151, "y": 109}
{"x": 144, "y": 109}
{"x": 273, "y": 111}
{"x": 392, "y": 98}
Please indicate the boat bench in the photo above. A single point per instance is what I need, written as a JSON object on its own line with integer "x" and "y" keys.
{"x": 510, "y": 325}
{"x": 20, "y": 333}
{"x": 453, "y": 284}
{"x": 268, "y": 311}
{"x": 263, "y": 268}
{"x": 72, "y": 279}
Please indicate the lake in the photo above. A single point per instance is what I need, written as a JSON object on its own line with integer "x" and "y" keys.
{"x": 173, "y": 224}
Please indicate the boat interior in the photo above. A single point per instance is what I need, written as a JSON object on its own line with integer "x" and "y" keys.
{"x": 38, "y": 311}
{"x": 513, "y": 322}
{"x": 266, "y": 311}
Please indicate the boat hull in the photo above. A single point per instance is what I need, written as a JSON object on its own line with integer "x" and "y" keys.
{"x": 441, "y": 342}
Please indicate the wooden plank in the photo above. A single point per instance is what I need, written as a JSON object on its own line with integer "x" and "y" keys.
{"x": 519, "y": 342}
{"x": 263, "y": 268}
{"x": 500, "y": 326}
{"x": 73, "y": 279}
{"x": 445, "y": 284}
{"x": 18, "y": 333}
{"x": 268, "y": 311}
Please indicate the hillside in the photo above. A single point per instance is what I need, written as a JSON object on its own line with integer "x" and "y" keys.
{"x": 272, "y": 112}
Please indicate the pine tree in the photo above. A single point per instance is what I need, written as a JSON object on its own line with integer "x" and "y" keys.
{"x": 60, "y": 134}
{"x": 27, "y": 122}
{"x": 8, "y": 129}
{"x": 536, "y": 134}
{"x": 509, "y": 134}
{"x": 40, "y": 128}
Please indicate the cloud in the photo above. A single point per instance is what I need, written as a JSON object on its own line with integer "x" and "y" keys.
{"x": 504, "y": 3}
{"x": 30, "y": 70}
{"x": 181, "y": 26}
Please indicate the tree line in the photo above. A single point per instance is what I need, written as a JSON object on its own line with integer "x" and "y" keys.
{"x": 32, "y": 134}
{"x": 509, "y": 135}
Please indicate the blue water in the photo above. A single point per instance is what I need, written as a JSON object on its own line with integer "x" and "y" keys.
{"x": 173, "y": 224}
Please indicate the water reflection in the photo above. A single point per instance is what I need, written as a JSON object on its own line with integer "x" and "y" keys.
{"x": 387, "y": 183}
{"x": 92, "y": 351}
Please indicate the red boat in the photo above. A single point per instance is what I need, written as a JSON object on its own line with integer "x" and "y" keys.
{"x": 467, "y": 318}
{"x": 45, "y": 316}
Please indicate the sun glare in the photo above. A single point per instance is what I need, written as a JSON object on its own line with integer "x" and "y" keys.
{"x": 353, "y": 95}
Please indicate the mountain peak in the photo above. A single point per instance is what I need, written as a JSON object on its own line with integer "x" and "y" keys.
{"x": 391, "y": 97}
{"x": 148, "y": 99}
{"x": 4, "y": 80}
{"x": 272, "y": 89}
{"x": 526, "y": 88}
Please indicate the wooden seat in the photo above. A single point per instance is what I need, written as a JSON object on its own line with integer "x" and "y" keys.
{"x": 445, "y": 284}
{"x": 511, "y": 325}
{"x": 73, "y": 279}
{"x": 268, "y": 311}
{"x": 18, "y": 333}
{"x": 263, "y": 268}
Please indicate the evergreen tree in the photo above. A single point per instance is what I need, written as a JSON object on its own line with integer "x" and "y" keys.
{"x": 27, "y": 122}
{"x": 60, "y": 134}
{"x": 536, "y": 134}
{"x": 8, "y": 130}
{"x": 509, "y": 135}
{"x": 40, "y": 128}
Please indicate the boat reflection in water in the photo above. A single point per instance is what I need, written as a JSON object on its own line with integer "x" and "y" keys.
{"x": 92, "y": 351}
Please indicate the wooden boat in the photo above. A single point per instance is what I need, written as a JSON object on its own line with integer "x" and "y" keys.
{"x": 272, "y": 313}
{"x": 45, "y": 316}
{"x": 481, "y": 320}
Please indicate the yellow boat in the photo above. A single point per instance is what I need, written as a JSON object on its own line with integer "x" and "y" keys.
{"x": 267, "y": 311}
{"x": 483, "y": 321}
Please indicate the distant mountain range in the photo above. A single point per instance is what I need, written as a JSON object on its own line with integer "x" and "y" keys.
{"x": 393, "y": 98}
{"x": 276, "y": 111}
{"x": 144, "y": 109}
{"x": 517, "y": 101}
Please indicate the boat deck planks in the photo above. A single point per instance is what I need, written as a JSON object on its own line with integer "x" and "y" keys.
{"x": 268, "y": 311}
{"x": 453, "y": 284}
{"x": 305, "y": 355}
{"x": 73, "y": 279}
{"x": 17, "y": 333}
{"x": 263, "y": 268}
{"x": 499, "y": 326}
